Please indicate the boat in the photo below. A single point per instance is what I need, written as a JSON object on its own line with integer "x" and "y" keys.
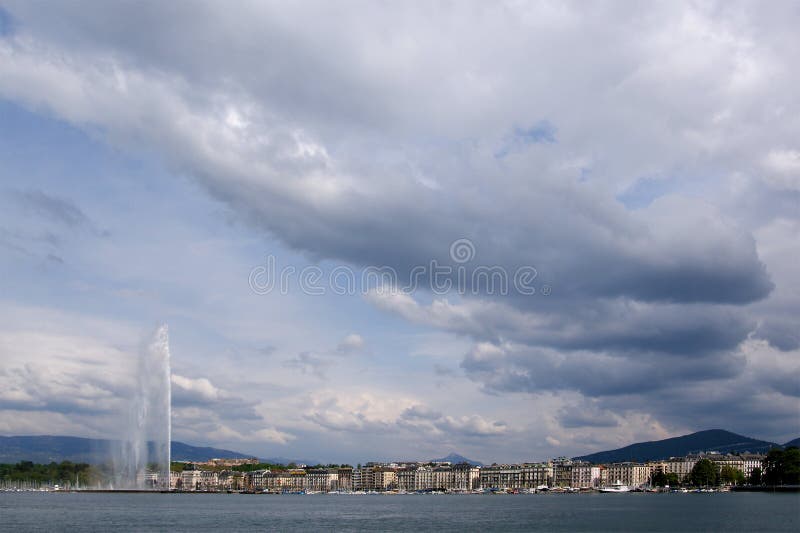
{"x": 617, "y": 486}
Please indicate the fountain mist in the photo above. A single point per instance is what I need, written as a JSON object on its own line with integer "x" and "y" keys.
{"x": 143, "y": 460}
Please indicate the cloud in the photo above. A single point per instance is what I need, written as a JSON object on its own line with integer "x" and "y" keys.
{"x": 586, "y": 414}
{"x": 783, "y": 169}
{"x": 352, "y": 343}
{"x": 366, "y": 413}
{"x": 270, "y": 169}
{"x": 200, "y": 389}
{"x": 657, "y": 198}
{"x": 6, "y": 23}
{"x": 543, "y": 132}
{"x": 58, "y": 209}
{"x": 618, "y": 325}
{"x": 309, "y": 364}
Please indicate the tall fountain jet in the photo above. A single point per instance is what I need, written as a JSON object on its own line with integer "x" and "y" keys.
{"x": 143, "y": 460}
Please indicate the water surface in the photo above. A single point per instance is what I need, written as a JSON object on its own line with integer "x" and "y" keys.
{"x": 541, "y": 512}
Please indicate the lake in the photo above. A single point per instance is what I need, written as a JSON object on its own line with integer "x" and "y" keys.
{"x": 77, "y": 512}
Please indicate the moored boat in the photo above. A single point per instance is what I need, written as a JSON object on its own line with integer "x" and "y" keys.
{"x": 617, "y": 486}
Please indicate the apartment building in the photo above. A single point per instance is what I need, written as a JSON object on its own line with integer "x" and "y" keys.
{"x": 190, "y": 479}
{"x": 384, "y": 478}
{"x": 322, "y": 480}
{"x": 681, "y": 466}
{"x": 630, "y": 474}
{"x": 501, "y": 477}
{"x": 585, "y": 476}
{"x": 345, "y": 481}
{"x": 465, "y": 477}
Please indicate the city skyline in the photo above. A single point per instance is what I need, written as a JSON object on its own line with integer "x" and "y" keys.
{"x": 505, "y": 230}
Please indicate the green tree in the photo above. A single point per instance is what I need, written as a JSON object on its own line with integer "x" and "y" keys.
{"x": 703, "y": 474}
{"x": 782, "y": 467}
{"x": 791, "y": 466}
{"x": 659, "y": 479}
{"x": 731, "y": 475}
{"x": 755, "y": 476}
{"x": 673, "y": 480}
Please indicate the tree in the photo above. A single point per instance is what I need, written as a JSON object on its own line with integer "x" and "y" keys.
{"x": 659, "y": 479}
{"x": 731, "y": 475}
{"x": 791, "y": 465}
{"x": 673, "y": 480}
{"x": 782, "y": 467}
{"x": 755, "y": 476}
{"x": 704, "y": 473}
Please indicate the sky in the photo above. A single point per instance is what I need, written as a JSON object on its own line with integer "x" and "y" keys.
{"x": 392, "y": 230}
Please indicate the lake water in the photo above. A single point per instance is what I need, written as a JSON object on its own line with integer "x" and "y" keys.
{"x": 554, "y": 512}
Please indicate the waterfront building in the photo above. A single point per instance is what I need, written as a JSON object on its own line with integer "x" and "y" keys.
{"x": 630, "y": 474}
{"x": 681, "y": 466}
{"x": 384, "y": 478}
{"x": 405, "y": 479}
{"x": 209, "y": 480}
{"x": 501, "y": 477}
{"x": 229, "y": 480}
{"x": 285, "y": 480}
{"x": 442, "y": 477}
{"x": 364, "y": 478}
{"x": 465, "y": 477}
{"x": 190, "y": 479}
{"x": 751, "y": 461}
{"x": 423, "y": 478}
{"x": 345, "y": 481}
{"x": 534, "y": 475}
{"x": 584, "y": 475}
{"x": 256, "y": 479}
{"x": 322, "y": 480}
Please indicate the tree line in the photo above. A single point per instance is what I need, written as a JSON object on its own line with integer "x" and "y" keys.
{"x": 61, "y": 473}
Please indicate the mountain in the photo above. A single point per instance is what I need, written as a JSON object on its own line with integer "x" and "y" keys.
{"x": 186, "y": 452}
{"x": 455, "y": 459}
{"x": 793, "y": 442}
{"x": 285, "y": 461}
{"x": 710, "y": 440}
{"x": 45, "y": 449}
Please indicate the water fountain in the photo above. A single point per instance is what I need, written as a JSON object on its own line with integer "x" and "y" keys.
{"x": 143, "y": 458}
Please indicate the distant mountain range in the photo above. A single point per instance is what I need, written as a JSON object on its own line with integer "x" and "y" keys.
{"x": 710, "y": 440}
{"x": 44, "y": 449}
{"x": 793, "y": 442}
{"x": 455, "y": 459}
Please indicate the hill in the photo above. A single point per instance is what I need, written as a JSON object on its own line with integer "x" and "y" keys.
{"x": 793, "y": 442}
{"x": 455, "y": 459}
{"x": 710, "y": 440}
{"x": 45, "y": 449}
{"x": 186, "y": 452}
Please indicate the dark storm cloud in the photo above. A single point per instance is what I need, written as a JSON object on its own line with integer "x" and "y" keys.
{"x": 782, "y": 332}
{"x": 594, "y": 374}
{"x": 574, "y": 234}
